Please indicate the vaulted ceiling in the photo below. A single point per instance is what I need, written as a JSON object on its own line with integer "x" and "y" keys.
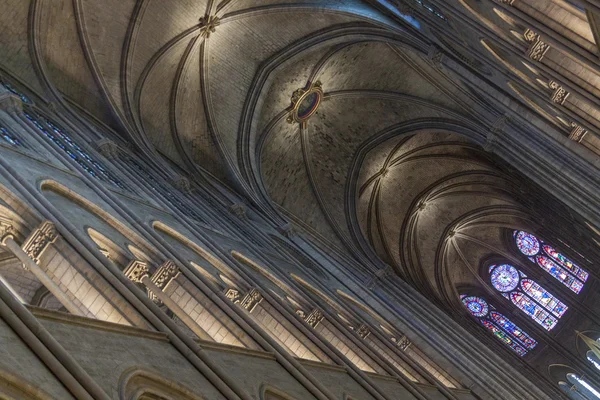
{"x": 391, "y": 167}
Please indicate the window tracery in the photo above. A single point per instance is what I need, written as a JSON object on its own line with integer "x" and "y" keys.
{"x": 499, "y": 325}
{"x": 63, "y": 141}
{"x": 552, "y": 261}
{"x": 528, "y": 295}
{"x": 9, "y": 137}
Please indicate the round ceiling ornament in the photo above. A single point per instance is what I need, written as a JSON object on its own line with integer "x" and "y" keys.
{"x": 305, "y": 102}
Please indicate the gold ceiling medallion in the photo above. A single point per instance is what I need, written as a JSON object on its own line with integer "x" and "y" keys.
{"x": 208, "y": 25}
{"x": 305, "y": 102}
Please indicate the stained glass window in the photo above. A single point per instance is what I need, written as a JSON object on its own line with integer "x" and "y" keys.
{"x": 11, "y": 89}
{"x": 552, "y": 261}
{"x": 500, "y": 326}
{"x": 528, "y": 295}
{"x": 9, "y": 137}
{"x": 62, "y": 140}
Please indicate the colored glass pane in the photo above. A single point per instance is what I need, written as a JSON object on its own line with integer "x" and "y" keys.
{"x": 476, "y": 306}
{"x": 534, "y": 310}
{"x": 527, "y": 243}
{"x": 11, "y": 89}
{"x": 565, "y": 262}
{"x": 75, "y": 152}
{"x": 560, "y": 273}
{"x": 505, "y": 277}
{"x": 507, "y": 325}
{"x": 8, "y": 137}
{"x": 543, "y": 297}
{"x": 504, "y": 337}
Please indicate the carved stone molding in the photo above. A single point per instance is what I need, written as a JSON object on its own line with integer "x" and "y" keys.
{"x": 560, "y": 94}
{"x": 496, "y": 131}
{"x": 208, "y": 25}
{"x": 403, "y": 343}
{"x": 577, "y": 132}
{"x": 234, "y": 295}
{"x": 251, "y": 300}
{"x": 287, "y": 230}
{"x": 136, "y": 271}
{"x": 378, "y": 275}
{"x": 537, "y": 49}
{"x": 108, "y": 149}
{"x": 6, "y": 228}
{"x": 39, "y": 240}
{"x": 314, "y": 318}
{"x": 165, "y": 274}
{"x": 239, "y": 210}
{"x": 363, "y": 331}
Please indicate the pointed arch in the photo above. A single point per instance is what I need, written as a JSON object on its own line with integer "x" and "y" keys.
{"x": 141, "y": 384}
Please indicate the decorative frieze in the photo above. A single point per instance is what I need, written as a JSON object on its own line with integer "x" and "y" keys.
{"x": 314, "y": 318}
{"x": 165, "y": 274}
{"x": 403, "y": 343}
{"x": 39, "y": 240}
{"x": 363, "y": 331}
{"x": 560, "y": 94}
{"x": 248, "y": 301}
{"x": 251, "y": 300}
{"x": 136, "y": 271}
{"x": 538, "y": 48}
{"x": 578, "y": 132}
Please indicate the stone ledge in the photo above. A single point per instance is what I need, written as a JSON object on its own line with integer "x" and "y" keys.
{"x": 70, "y": 319}
{"x": 228, "y": 348}
{"x": 319, "y": 364}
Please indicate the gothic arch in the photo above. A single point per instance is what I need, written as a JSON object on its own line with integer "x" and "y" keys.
{"x": 142, "y": 384}
{"x": 268, "y": 392}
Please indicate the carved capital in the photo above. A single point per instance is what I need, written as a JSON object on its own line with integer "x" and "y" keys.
{"x": 577, "y": 132}
{"x": 537, "y": 49}
{"x": 287, "y": 230}
{"x": 251, "y": 300}
{"x": 10, "y": 102}
{"x": 314, "y": 318}
{"x": 6, "y": 228}
{"x": 560, "y": 94}
{"x": 39, "y": 240}
{"x": 239, "y": 210}
{"x": 108, "y": 149}
{"x": 136, "y": 271}
{"x": 363, "y": 331}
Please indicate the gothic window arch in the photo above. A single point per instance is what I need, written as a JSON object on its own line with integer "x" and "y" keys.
{"x": 500, "y": 326}
{"x": 551, "y": 260}
{"x": 580, "y": 386}
{"x": 59, "y": 136}
{"x": 528, "y": 295}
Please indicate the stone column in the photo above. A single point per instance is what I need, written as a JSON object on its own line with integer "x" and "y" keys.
{"x": 138, "y": 272}
{"x": 29, "y": 255}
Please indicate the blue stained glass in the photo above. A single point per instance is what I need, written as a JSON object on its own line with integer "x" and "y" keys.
{"x": 565, "y": 262}
{"x": 9, "y": 138}
{"x": 527, "y": 243}
{"x": 500, "y": 326}
{"x": 504, "y": 277}
{"x": 82, "y": 158}
{"x": 543, "y": 297}
{"x": 534, "y": 310}
{"x": 11, "y": 89}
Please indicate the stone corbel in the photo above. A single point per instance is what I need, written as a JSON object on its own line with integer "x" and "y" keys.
{"x": 39, "y": 240}
{"x": 163, "y": 276}
{"x": 108, "y": 149}
{"x": 136, "y": 271}
{"x": 577, "y": 132}
{"x": 11, "y": 103}
{"x": 252, "y": 299}
{"x": 239, "y": 210}
{"x": 287, "y": 230}
{"x": 560, "y": 94}
{"x": 537, "y": 48}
